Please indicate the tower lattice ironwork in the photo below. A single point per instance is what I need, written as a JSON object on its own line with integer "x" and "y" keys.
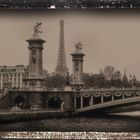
{"x": 61, "y": 67}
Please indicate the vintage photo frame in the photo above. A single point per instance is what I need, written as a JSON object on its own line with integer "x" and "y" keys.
{"x": 88, "y": 11}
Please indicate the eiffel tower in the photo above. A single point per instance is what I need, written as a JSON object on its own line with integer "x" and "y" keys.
{"x": 61, "y": 67}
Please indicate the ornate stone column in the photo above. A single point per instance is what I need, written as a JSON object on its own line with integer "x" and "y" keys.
{"x": 35, "y": 81}
{"x": 77, "y": 58}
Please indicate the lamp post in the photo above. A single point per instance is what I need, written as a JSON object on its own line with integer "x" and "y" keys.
{"x": 134, "y": 80}
{"x": 130, "y": 81}
{"x": 92, "y": 81}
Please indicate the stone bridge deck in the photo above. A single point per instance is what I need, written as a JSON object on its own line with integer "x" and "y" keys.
{"x": 94, "y": 99}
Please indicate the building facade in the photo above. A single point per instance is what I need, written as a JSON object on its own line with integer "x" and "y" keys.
{"x": 12, "y": 75}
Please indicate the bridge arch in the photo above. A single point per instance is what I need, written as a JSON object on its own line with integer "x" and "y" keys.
{"x": 19, "y": 101}
{"x": 109, "y": 99}
{"x": 55, "y": 103}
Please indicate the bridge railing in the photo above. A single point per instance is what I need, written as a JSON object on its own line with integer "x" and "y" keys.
{"x": 109, "y": 89}
{"x": 85, "y": 98}
{"x": 6, "y": 90}
{"x": 42, "y": 89}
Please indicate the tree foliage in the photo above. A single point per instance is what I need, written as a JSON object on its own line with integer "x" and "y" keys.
{"x": 107, "y": 78}
{"x": 55, "y": 81}
{"x": 110, "y": 73}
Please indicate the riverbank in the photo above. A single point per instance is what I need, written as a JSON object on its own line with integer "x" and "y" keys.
{"x": 108, "y": 123}
{"x": 26, "y": 115}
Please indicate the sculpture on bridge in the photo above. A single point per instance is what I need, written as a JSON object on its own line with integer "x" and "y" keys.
{"x": 78, "y": 46}
{"x": 36, "y": 29}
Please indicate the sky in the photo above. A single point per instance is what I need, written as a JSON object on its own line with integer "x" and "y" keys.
{"x": 108, "y": 39}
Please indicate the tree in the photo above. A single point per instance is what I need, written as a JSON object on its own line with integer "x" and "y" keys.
{"x": 98, "y": 80}
{"x": 112, "y": 76}
{"x": 110, "y": 73}
{"x": 53, "y": 81}
{"x": 93, "y": 80}
{"x": 87, "y": 80}
{"x": 125, "y": 81}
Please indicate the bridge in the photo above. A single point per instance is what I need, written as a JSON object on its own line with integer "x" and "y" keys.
{"x": 84, "y": 100}
{"x": 103, "y": 99}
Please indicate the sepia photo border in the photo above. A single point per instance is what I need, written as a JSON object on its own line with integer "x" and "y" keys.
{"x": 71, "y": 135}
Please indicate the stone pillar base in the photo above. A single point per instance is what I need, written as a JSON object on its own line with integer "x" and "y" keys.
{"x": 36, "y": 101}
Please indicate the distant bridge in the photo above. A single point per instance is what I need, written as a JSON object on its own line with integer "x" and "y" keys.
{"x": 102, "y": 99}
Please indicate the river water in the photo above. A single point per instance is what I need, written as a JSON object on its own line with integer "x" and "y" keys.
{"x": 128, "y": 121}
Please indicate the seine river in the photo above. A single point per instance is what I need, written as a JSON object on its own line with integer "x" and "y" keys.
{"x": 129, "y": 121}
